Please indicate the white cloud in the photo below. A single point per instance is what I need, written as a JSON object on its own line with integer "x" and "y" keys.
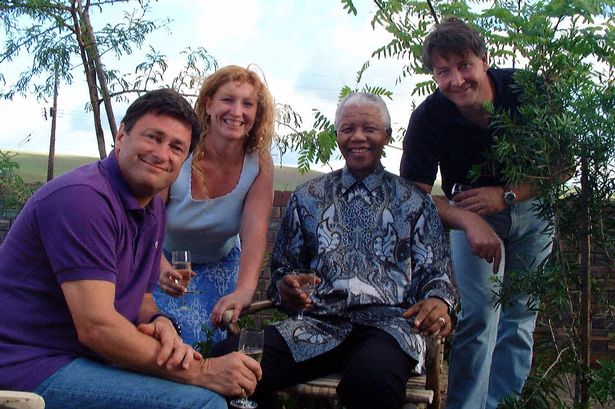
{"x": 307, "y": 51}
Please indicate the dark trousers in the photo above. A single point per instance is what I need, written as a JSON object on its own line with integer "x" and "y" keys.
{"x": 374, "y": 368}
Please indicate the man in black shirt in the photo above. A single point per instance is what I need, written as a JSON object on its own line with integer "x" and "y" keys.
{"x": 495, "y": 228}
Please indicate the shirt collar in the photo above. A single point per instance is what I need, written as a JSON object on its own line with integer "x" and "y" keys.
{"x": 111, "y": 167}
{"x": 371, "y": 181}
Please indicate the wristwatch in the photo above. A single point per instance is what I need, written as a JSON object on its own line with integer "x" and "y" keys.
{"x": 510, "y": 198}
{"x": 176, "y": 325}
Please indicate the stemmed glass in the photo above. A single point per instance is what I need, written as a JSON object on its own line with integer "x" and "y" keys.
{"x": 251, "y": 341}
{"x": 307, "y": 283}
{"x": 180, "y": 261}
{"x": 458, "y": 188}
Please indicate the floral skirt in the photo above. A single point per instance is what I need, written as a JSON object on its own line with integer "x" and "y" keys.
{"x": 193, "y": 310}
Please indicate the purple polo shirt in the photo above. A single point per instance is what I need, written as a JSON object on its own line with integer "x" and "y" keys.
{"x": 84, "y": 225}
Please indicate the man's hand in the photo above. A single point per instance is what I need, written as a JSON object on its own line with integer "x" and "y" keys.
{"x": 484, "y": 241}
{"x": 236, "y": 300}
{"x": 173, "y": 351}
{"x": 481, "y": 200}
{"x": 291, "y": 297}
{"x": 430, "y": 316}
{"x": 234, "y": 374}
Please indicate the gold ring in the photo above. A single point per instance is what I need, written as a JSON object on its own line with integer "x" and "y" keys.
{"x": 443, "y": 320}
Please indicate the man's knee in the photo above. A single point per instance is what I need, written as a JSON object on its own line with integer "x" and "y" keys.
{"x": 372, "y": 389}
{"x": 224, "y": 347}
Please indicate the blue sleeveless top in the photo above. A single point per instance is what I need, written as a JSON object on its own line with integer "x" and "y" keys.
{"x": 209, "y": 228}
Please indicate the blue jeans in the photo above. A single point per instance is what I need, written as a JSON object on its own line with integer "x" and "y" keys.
{"x": 492, "y": 350}
{"x": 86, "y": 384}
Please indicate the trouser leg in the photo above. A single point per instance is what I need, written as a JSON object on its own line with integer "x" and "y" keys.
{"x": 89, "y": 384}
{"x": 527, "y": 248}
{"x": 375, "y": 370}
{"x": 280, "y": 370}
{"x": 476, "y": 330}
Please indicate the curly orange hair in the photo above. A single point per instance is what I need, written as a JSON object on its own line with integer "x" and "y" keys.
{"x": 261, "y": 134}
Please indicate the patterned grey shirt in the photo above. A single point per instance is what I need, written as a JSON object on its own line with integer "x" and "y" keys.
{"x": 378, "y": 247}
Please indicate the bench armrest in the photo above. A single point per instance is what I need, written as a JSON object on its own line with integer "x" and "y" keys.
{"x": 251, "y": 309}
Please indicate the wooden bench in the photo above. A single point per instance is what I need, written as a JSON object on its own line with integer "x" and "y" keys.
{"x": 20, "y": 400}
{"x": 424, "y": 391}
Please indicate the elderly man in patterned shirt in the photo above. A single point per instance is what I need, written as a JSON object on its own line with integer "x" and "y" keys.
{"x": 382, "y": 262}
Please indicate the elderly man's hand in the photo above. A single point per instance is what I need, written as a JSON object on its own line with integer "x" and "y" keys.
{"x": 291, "y": 297}
{"x": 429, "y": 317}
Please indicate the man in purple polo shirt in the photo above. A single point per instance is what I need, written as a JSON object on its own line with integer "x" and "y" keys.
{"x": 79, "y": 325}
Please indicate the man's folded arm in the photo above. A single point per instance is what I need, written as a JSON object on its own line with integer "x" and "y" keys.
{"x": 102, "y": 329}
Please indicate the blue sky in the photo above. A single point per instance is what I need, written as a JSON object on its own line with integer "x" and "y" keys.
{"x": 307, "y": 49}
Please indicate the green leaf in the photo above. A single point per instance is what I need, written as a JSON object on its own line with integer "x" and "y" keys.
{"x": 348, "y": 5}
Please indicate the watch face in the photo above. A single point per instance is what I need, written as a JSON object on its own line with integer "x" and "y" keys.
{"x": 509, "y": 198}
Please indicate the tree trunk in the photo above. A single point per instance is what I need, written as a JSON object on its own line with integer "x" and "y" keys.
{"x": 94, "y": 56}
{"x": 582, "y": 381}
{"x": 52, "y": 137}
{"x": 91, "y": 81}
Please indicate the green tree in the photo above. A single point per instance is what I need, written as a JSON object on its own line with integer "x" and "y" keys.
{"x": 13, "y": 190}
{"x": 565, "y": 145}
{"x": 59, "y": 36}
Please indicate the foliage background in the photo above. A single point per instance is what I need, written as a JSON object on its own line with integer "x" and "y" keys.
{"x": 565, "y": 146}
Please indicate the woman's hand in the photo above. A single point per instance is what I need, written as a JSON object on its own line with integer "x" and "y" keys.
{"x": 170, "y": 282}
{"x": 237, "y": 300}
{"x": 430, "y": 317}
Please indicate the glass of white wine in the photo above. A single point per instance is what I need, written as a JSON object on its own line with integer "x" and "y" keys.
{"x": 181, "y": 261}
{"x": 251, "y": 342}
{"x": 307, "y": 284}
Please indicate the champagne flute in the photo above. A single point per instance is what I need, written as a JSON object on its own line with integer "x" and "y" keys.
{"x": 251, "y": 342}
{"x": 181, "y": 261}
{"x": 307, "y": 283}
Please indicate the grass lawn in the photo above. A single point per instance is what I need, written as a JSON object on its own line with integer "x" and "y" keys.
{"x": 33, "y": 168}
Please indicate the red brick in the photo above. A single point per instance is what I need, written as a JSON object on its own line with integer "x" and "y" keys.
{"x": 281, "y": 198}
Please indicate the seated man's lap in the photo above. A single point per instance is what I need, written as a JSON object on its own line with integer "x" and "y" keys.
{"x": 280, "y": 370}
{"x": 369, "y": 359}
{"x": 375, "y": 369}
{"x": 87, "y": 383}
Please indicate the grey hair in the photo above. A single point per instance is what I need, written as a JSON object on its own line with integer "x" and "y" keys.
{"x": 363, "y": 98}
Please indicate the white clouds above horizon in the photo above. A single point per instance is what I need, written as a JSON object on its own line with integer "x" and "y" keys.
{"x": 307, "y": 51}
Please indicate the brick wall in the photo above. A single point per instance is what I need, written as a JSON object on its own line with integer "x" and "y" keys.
{"x": 603, "y": 341}
{"x": 279, "y": 204}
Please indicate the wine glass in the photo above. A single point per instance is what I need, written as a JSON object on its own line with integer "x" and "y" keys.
{"x": 307, "y": 283}
{"x": 181, "y": 261}
{"x": 458, "y": 188}
{"x": 251, "y": 341}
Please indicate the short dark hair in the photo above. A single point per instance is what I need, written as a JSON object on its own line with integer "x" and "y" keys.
{"x": 452, "y": 36}
{"x": 164, "y": 101}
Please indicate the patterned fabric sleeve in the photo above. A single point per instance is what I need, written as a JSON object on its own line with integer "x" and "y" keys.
{"x": 431, "y": 259}
{"x": 288, "y": 249}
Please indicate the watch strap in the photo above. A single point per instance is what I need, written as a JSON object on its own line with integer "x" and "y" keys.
{"x": 176, "y": 325}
